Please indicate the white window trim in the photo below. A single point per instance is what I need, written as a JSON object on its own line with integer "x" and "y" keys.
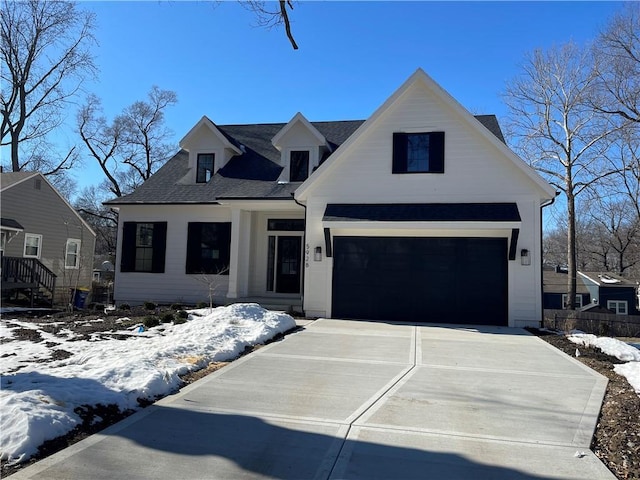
{"x": 314, "y": 160}
{"x": 615, "y": 304}
{"x": 66, "y": 253}
{"x": 24, "y": 250}
{"x": 578, "y": 300}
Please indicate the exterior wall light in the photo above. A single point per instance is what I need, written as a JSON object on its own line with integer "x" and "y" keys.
{"x": 525, "y": 257}
{"x": 317, "y": 254}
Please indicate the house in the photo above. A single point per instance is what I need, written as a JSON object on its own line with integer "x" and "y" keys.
{"x": 554, "y": 286}
{"x": 615, "y": 293}
{"x": 47, "y": 248}
{"x": 421, "y": 212}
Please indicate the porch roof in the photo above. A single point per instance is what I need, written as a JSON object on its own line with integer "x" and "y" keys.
{"x": 10, "y": 224}
{"x": 422, "y": 212}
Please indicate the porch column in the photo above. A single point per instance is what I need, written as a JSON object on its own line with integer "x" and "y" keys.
{"x": 240, "y": 250}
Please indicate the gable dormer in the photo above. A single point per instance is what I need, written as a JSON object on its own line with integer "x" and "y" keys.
{"x": 301, "y": 147}
{"x": 209, "y": 150}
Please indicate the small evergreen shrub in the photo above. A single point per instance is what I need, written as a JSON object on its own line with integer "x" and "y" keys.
{"x": 177, "y": 306}
{"x": 167, "y": 317}
{"x": 150, "y": 305}
{"x": 151, "y": 321}
{"x": 202, "y": 305}
{"x": 183, "y": 314}
{"x": 179, "y": 320}
{"x": 125, "y": 306}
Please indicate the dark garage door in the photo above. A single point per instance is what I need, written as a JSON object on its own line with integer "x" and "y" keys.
{"x": 452, "y": 280}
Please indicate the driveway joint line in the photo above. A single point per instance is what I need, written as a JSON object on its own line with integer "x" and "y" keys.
{"x": 381, "y": 394}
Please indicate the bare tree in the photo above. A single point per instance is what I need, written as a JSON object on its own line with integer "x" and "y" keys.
{"x": 103, "y": 220}
{"x": 617, "y": 65}
{"x": 134, "y": 145}
{"x": 614, "y": 234}
{"x": 45, "y": 59}
{"x": 270, "y": 17}
{"x": 557, "y": 131}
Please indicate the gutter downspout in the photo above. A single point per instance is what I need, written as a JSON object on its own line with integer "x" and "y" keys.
{"x": 304, "y": 251}
{"x": 546, "y": 204}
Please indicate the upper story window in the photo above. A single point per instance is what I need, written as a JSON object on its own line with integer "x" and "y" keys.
{"x": 204, "y": 170}
{"x": 72, "y": 253}
{"x": 418, "y": 152}
{"x": 32, "y": 245}
{"x": 299, "y": 165}
{"x": 143, "y": 247}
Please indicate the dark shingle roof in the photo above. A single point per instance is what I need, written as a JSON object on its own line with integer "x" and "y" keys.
{"x": 423, "y": 212}
{"x": 252, "y": 175}
{"x": 11, "y": 224}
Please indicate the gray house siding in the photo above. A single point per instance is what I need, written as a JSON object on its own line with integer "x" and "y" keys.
{"x": 41, "y": 211}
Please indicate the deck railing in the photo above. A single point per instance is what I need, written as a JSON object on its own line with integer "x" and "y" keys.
{"x": 27, "y": 273}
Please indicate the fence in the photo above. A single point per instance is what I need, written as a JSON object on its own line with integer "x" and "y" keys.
{"x": 597, "y": 323}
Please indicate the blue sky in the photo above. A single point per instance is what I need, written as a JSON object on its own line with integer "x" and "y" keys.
{"x": 352, "y": 55}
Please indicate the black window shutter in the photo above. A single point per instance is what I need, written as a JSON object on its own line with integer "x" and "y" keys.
{"x": 194, "y": 233}
{"x": 436, "y": 152}
{"x": 225, "y": 246}
{"x": 128, "y": 252}
{"x": 399, "y": 152}
{"x": 159, "y": 246}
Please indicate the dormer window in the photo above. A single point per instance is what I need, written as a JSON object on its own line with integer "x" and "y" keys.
{"x": 205, "y": 167}
{"x": 299, "y": 165}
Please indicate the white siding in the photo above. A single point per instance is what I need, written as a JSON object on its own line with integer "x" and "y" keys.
{"x": 174, "y": 285}
{"x": 249, "y": 254}
{"x": 475, "y": 172}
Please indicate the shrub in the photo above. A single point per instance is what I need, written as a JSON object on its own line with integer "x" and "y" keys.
{"x": 179, "y": 320}
{"x": 151, "y": 321}
{"x": 125, "y": 306}
{"x": 202, "y": 305}
{"x": 166, "y": 317}
{"x": 177, "y": 306}
{"x": 183, "y": 314}
{"x": 150, "y": 305}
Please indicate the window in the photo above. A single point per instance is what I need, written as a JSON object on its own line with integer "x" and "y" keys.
{"x": 565, "y": 299}
{"x": 72, "y": 253}
{"x": 205, "y": 167}
{"x": 4, "y": 236}
{"x": 418, "y": 152}
{"x": 618, "y": 306}
{"x": 286, "y": 225}
{"x": 32, "y": 245}
{"x": 299, "y": 166}
{"x": 208, "y": 248}
{"x": 143, "y": 247}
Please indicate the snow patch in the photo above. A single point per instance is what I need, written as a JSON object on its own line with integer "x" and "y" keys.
{"x": 38, "y": 400}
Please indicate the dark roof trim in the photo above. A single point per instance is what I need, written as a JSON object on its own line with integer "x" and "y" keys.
{"x": 422, "y": 212}
{"x": 256, "y": 198}
{"x": 116, "y": 203}
{"x": 10, "y": 223}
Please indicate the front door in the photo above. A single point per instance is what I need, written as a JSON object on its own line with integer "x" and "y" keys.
{"x": 288, "y": 264}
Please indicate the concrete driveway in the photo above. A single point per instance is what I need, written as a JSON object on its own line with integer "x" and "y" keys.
{"x": 363, "y": 400}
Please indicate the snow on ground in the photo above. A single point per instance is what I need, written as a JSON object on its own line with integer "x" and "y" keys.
{"x": 37, "y": 400}
{"x": 615, "y": 348}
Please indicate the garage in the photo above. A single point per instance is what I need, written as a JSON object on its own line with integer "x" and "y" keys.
{"x": 444, "y": 280}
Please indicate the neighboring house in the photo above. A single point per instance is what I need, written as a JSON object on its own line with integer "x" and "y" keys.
{"x": 419, "y": 213}
{"x": 554, "y": 286}
{"x": 46, "y": 246}
{"x": 613, "y": 292}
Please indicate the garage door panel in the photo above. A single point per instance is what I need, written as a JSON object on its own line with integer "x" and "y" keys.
{"x": 457, "y": 280}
